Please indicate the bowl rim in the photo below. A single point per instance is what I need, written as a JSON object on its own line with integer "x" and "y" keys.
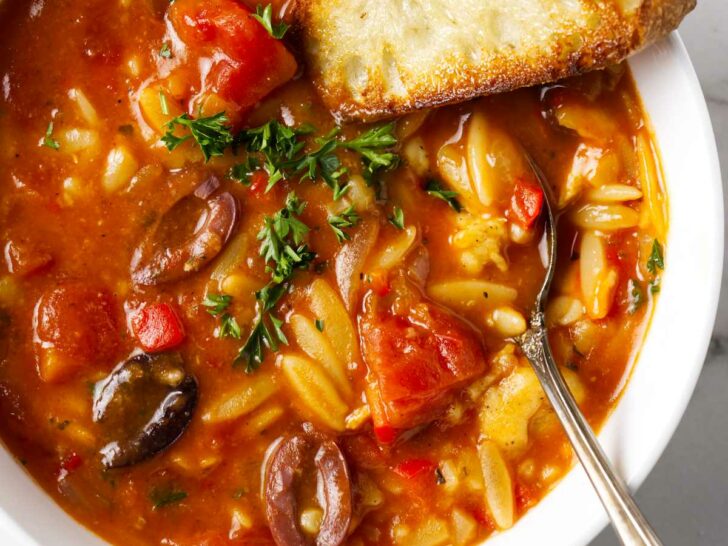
{"x": 29, "y": 517}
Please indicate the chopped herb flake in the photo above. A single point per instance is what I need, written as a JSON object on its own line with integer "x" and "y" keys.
{"x": 397, "y": 218}
{"x": 655, "y": 261}
{"x": 435, "y": 189}
{"x": 635, "y": 295}
{"x": 211, "y": 133}
{"x": 283, "y": 249}
{"x": 217, "y": 304}
{"x": 346, "y": 219}
{"x": 48, "y": 139}
{"x": 265, "y": 17}
{"x": 319, "y": 325}
{"x": 165, "y": 497}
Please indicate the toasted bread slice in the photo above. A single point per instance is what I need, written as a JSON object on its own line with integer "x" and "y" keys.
{"x": 375, "y": 58}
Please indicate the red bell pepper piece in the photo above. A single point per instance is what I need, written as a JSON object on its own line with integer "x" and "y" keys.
{"x": 158, "y": 327}
{"x": 411, "y": 468}
{"x": 526, "y": 202}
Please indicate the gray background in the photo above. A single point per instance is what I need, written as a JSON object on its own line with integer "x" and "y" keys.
{"x": 686, "y": 495}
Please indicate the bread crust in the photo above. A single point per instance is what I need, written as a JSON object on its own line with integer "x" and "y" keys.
{"x": 382, "y": 85}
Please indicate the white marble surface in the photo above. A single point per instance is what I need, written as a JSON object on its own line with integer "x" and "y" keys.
{"x": 686, "y": 495}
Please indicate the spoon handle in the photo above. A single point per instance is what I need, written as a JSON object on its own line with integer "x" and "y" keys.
{"x": 630, "y": 525}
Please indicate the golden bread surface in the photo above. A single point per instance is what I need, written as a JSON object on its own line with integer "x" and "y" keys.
{"x": 376, "y": 58}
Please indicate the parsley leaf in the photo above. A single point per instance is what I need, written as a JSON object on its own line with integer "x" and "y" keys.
{"x": 435, "y": 189}
{"x": 48, "y": 139}
{"x": 278, "y": 144}
{"x": 281, "y": 240}
{"x": 655, "y": 261}
{"x": 374, "y": 147}
{"x": 283, "y": 248}
{"x": 397, "y": 218}
{"x": 217, "y": 304}
{"x": 211, "y": 133}
{"x": 265, "y": 17}
{"x": 243, "y": 171}
{"x": 165, "y": 52}
{"x": 347, "y": 218}
{"x": 166, "y": 496}
{"x": 229, "y": 327}
{"x": 635, "y": 295}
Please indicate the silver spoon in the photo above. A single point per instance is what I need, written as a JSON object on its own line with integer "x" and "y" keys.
{"x": 630, "y": 525}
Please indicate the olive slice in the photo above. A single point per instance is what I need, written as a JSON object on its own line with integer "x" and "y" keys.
{"x": 285, "y": 466}
{"x": 187, "y": 237}
{"x": 143, "y": 406}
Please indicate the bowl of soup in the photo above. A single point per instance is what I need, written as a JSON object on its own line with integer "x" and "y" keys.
{"x": 228, "y": 320}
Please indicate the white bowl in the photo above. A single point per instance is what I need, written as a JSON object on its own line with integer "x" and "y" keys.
{"x": 669, "y": 362}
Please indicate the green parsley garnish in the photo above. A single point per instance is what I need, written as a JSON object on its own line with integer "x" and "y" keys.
{"x": 435, "y": 189}
{"x": 374, "y": 146}
{"x": 166, "y": 496}
{"x": 635, "y": 295}
{"x": 165, "y": 52}
{"x": 655, "y": 286}
{"x": 283, "y": 249}
{"x": 211, "y": 133}
{"x": 229, "y": 327}
{"x": 217, "y": 304}
{"x": 48, "y": 139}
{"x": 655, "y": 261}
{"x": 283, "y": 152}
{"x": 397, "y": 218}
{"x": 243, "y": 171}
{"x": 265, "y": 17}
{"x": 345, "y": 219}
{"x": 319, "y": 324}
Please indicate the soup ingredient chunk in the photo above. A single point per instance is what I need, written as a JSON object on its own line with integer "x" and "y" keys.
{"x": 158, "y": 327}
{"x": 74, "y": 328}
{"x": 417, "y": 358}
{"x": 247, "y": 63}
{"x": 286, "y": 468}
{"x": 143, "y": 406}
{"x": 187, "y": 237}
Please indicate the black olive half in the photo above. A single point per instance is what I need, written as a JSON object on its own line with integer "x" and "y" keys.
{"x": 187, "y": 237}
{"x": 286, "y": 465}
{"x": 143, "y": 406}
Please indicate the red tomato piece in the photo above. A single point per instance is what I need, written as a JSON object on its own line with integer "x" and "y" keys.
{"x": 74, "y": 327}
{"x": 72, "y": 462}
{"x": 248, "y": 62}
{"x": 415, "y": 363}
{"x": 158, "y": 327}
{"x": 526, "y": 202}
{"x": 411, "y": 468}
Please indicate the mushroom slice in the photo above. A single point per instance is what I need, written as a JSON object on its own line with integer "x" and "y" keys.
{"x": 143, "y": 406}
{"x": 187, "y": 237}
{"x": 287, "y": 460}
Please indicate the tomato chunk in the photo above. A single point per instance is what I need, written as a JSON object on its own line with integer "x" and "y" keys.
{"x": 158, "y": 327}
{"x": 526, "y": 202}
{"x": 247, "y": 62}
{"x": 416, "y": 363}
{"x": 75, "y": 327}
